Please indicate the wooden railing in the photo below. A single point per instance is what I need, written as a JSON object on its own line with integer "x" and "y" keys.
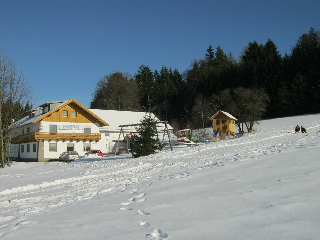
{"x": 37, "y": 136}
{"x": 68, "y": 136}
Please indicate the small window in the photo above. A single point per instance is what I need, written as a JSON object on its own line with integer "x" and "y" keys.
{"x": 22, "y": 131}
{"x": 87, "y": 130}
{"x": 28, "y": 147}
{"x": 28, "y": 129}
{"x": 64, "y": 113}
{"x": 107, "y": 134}
{"x": 46, "y": 109}
{"x": 73, "y": 114}
{"x": 70, "y": 147}
{"x": 22, "y": 148}
{"x": 223, "y": 122}
{"x": 86, "y": 147}
{"x": 53, "y": 128}
{"x": 52, "y": 147}
{"x": 34, "y": 147}
{"x": 218, "y": 122}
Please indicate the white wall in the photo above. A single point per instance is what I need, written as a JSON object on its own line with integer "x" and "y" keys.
{"x": 67, "y": 127}
{"x": 25, "y": 153}
{"x": 34, "y": 127}
{"x": 62, "y": 147}
{"x": 109, "y": 141}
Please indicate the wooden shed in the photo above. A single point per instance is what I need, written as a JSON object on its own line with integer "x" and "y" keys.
{"x": 225, "y": 124}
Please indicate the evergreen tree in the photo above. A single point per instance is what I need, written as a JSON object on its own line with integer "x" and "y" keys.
{"x": 261, "y": 67}
{"x": 145, "y": 82}
{"x": 251, "y": 64}
{"x": 210, "y": 53}
{"x": 146, "y": 142}
{"x": 306, "y": 75}
{"x": 272, "y": 73}
{"x": 167, "y": 84}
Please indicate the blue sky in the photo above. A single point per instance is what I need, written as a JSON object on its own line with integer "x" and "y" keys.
{"x": 64, "y": 47}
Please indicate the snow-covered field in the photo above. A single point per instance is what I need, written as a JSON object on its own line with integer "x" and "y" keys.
{"x": 264, "y": 185}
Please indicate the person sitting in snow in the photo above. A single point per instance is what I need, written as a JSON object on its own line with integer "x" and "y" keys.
{"x": 297, "y": 129}
{"x": 303, "y": 130}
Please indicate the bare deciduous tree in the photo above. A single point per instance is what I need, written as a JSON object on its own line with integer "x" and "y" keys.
{"x": 15, "y": 100}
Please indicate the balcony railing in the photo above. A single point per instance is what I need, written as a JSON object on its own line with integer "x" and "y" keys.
{"x": 37, "y": 136}
{"x": 68, "y": 136}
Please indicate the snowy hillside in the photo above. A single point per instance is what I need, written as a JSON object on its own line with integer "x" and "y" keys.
{"x": 259, "y": 186}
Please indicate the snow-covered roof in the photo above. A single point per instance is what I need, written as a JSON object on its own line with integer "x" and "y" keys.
{"x": 116, "y": 118}
{"x": 55, "y": 103}
{"x": 30, "y": 118}
{"x": 225, "y": 113}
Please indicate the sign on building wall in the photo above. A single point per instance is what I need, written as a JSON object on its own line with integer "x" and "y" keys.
{"x": 70, "y": 127}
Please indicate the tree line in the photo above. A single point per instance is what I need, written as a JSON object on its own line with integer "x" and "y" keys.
{"x": 260, "y": 84}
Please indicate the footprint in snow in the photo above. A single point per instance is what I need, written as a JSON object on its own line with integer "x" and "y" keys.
{"x": 134, "y": 191}
{"x": 157, "y": 234}
{"x": 141, "y": 195}
{"x": 144, "y": 224}
{"x": 126, "y": 203}
{"x": 126, "y": 208}
{"x": 143, "y": 213}
{"x": 142, "y": 200}
{"x": 139, "y": 198}
{"x": 131, "y": 200}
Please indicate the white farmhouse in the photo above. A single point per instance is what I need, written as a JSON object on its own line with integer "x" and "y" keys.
{"x": 54, "y": 128}
{"x": 62, "y": 126}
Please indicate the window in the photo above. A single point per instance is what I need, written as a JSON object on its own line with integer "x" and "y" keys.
{"x": 12, "y": 149}
{"x": 52, "y": 147}
{"x": 107, "y": 134}
{"x": 70, "y": 147}
{"x": 34, "y": 147}
{"x": 46, "y": 109}
{"x": 64, "y": 113}
{"x": 22, "y": 131}
{"x": 28, "y": 147}
{"x": 74, "y": 114}
{"x": 218, "y": 122}
{"x": 28, "y": 129}
{"x": 87, "y": 130}
{"x": 22, "y": 148}
{"x": 53, "y": 128}
{"x": 86, "y": 147}
{"x": 223, "y": 122}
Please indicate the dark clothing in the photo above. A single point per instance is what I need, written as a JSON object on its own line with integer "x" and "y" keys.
{"x": 303, "y": 130}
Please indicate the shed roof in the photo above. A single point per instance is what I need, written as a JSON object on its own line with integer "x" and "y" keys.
{"x": 223, "y": 115}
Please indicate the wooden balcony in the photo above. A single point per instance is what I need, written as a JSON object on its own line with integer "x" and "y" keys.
{"x": 68, "y": 136}
{"x": 37, "y": 136}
